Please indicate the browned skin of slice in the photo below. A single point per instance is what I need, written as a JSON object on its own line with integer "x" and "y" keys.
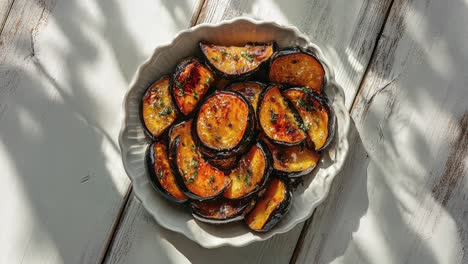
{"x": 163, "y": 171}
{"x": 191, "y": 85}
{"x": 179, "y": 129}
{"x": 277, "y": 120}
{"x": 158, "y": 110}
{"x": 218, "y": 208}
{"x": 199, "y": 177}
{"x": 222, "y": 121}
{"x": 233, "y": 60}
{"x": 266, "y": 206}
{"x": 247, "y": 175}
{"x": 313, "y": 114}
{"x": 292, "y": 159}
{"x": 298, "y": 69}
{"x": 250, "y": 90}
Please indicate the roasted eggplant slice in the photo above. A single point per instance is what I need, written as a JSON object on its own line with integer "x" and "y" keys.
{"x": 293, "y": 161}
{"x": 317, "y": 116}
{"x": 224, "y": 125}
{"x": 182, "y": 128}
{"x": 190, "y": 83}
{"x": 221, "y": 210}
{"x": 194, "y": 175}
{"x": 161, "y": 176}
{"x": 157, "y": 110}
{"x": 250, "y": 90}
{"x": 278, "y": 118}
{"x": 271, "y": 207}
{"x": 226, "y": 164}
{"x": 232, "y": 62}
{"x": 251, "y": 174}
{"x": 297, "y": 67}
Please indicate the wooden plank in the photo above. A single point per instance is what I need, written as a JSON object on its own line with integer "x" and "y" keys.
{"x": 348, "y": 37}
{"x": 5, "y": 7}
{"x": 402, "y": 197}
{"x": 141, "y": 240}
{"x": 64, "y": 69}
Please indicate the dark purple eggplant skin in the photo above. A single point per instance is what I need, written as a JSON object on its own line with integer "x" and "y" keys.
{"x": 225, "y": 169}
{"x": 288, "y": 175}
{"x": 145, "y": 129}
{"x": 268, "y": 172}
{"x": 297, "y": 49}
{"x": 244, "y": 204}
{"x": 179, "y": 178}
{"x": 149, "y": 160}
{"x": 323, "y": 100}
{"x": 242, "y": 76}
{"x": 281, "y": 210}
{"x": 176, "y": 71}
{"x": 290, "y": 105}
{"x": 244, "y": 143}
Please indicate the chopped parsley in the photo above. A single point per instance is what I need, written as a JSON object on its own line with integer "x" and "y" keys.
{"x": 193, "y": 163}
{"x": 212, "y": 179}
{"x": 190, "y": 180}
{"x": 214, "y": 58}
{"x": 273, "y": 116}
{"x": 248, "y": 175}
{"x": 208, "y": 80}
{"x": 194, "y": 147}
{"x": 304, "y": 126}
{"x": 247, "y": 56}
{"x": 235, "y": 57}
{"x": 180, "y": 87}
{"x": 195, "y": 95}
{"x": 301, "y": 103}
{"x": 158, "y": 102}
{"x": 165, "y": 111}
{"x": 160, "y": 175}
{"x": 316, "y": 120}
{"x": 225, "y": 53}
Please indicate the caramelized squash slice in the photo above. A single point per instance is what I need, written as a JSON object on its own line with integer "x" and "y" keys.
{"x": 271, "y": 207}
{"x": 279, "y": 119}
{"x": 157, "y": 110}
{"x": 316, "y": 114}
{"x": 224, "y": 124}
{"x": 236, "y": 62}
{"x": 221, "y": 210}
{"x": 251, "y": 174}
{"x": 190, "y": 83}
{"x": 160, "y": 172}
{"x": 297, "y": 67}
{"x": 293, "y": 161}
{"x": 194, "y": 175}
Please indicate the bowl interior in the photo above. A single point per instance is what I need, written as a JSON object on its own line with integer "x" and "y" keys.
{"x": 134, "y": 143}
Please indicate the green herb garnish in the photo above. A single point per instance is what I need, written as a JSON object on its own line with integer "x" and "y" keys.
{"x": 190, "y": 180}
{"x": 273, "y": 116}
{"x": 248, "y": 56}
{"x": 195, "y": 95}
{"x": 304, "y": 126}
{"x": 248, "y": 175}
{"x": 214, "y": 58}
{"x": 160, "y": 175}
{"x": 165, "y": 111}
{"x": 212, "y": 179}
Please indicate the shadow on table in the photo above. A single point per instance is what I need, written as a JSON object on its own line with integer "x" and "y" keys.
{"x": 57, "y": 136}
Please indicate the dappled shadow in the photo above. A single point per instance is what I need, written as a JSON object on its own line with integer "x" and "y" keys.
{"x": 60, "y": 101}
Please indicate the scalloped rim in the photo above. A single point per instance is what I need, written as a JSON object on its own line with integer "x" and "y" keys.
{"x": 338, "y": 165}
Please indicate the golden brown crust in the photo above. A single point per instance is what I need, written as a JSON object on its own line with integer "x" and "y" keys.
{"x": 158, "y": 111}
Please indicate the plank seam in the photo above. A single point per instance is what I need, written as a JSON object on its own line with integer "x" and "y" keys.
{"x": 126, "y": 200}
{"x": 6, "y": 17}
{"x": 300, "y": 241}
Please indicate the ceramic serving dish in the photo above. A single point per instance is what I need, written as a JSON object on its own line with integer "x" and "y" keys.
{"x": 133, "y": 141}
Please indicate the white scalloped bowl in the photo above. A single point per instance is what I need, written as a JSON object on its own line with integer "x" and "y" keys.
{"x": 133, "y": 142}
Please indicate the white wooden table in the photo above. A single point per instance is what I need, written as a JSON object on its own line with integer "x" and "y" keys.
{"x": 401, "y": 198}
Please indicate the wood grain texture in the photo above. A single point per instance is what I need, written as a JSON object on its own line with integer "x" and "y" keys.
{"x": 5, "y": 7}
{"x": 402, "y": 197}
{"x": 141, "y": 240}
{"x": 64, "y": 69}
{"x": 348, "y": 36}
